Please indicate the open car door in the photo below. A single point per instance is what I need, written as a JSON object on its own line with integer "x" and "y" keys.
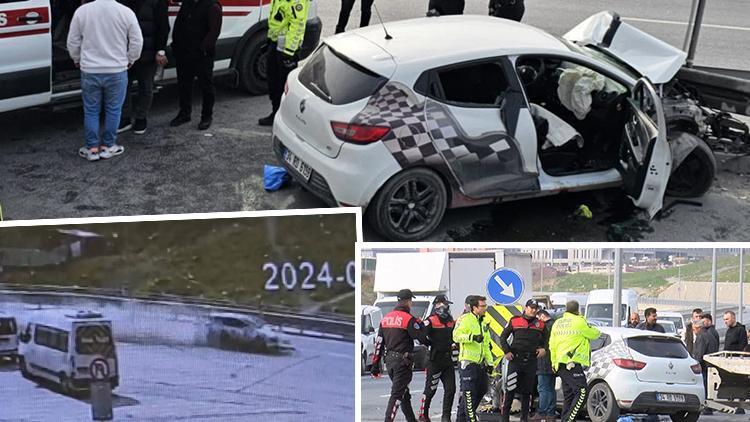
{"x": 645, "y": 157}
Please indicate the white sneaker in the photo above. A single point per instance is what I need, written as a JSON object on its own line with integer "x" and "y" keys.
{"x": 109, "y": 152}
{"x": 88, "y": 154}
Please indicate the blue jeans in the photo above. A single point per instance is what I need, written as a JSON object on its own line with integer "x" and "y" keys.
{"x": 547, "y": 399}
{"x": 107, "y": 89}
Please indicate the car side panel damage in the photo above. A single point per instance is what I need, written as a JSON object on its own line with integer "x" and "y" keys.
{"x": 426, "y": 133}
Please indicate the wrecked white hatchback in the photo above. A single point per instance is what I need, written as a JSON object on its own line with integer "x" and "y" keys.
{"x": 428, "y": 119}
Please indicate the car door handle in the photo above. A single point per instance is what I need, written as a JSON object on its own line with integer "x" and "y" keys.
{"x": 30, "y": 18}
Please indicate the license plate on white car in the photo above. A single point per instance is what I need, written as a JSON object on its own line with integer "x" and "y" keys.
{"x": 675, "y": 398}
{"x": 298, "y": 164}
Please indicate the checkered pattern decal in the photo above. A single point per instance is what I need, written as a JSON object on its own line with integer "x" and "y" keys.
{"x": 438, "y": 140}
{"x": 601, "y": 360}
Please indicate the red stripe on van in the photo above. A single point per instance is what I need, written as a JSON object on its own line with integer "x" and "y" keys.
{"x": 12, "y": 17}
{"x": 23, "y": 33}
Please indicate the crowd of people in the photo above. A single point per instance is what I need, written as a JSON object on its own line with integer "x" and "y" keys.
{"x": 120, "y": 47}
{"x": 536, "y": 347}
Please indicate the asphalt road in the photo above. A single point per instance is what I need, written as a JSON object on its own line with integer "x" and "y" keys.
{"x": 176, "y": 383}
{"x": 375, "y": 397}
{"x": 178, "y": 170}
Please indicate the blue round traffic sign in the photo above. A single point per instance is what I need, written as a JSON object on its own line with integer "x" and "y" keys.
{"x": 505, "y": 286}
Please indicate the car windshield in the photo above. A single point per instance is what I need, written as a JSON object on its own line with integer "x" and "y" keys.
{"x": 418, "y": 308}
{"x": 94, "y": 340}
{"x": 668, "y": 328}
{"x": 658, "y": 347}
{"x": 602, "y": 56}
{"x": 604, "y": 311}
{"x": 676, "y": 320}
{"x": 7, "y": 326}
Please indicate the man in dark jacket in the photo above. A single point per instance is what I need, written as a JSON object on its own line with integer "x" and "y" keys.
{"x": 196, "y": 30}
{"x": 530, "y": 342}
{"x": 507, "y": 9}
{"x": 705, "y": 343}
{"x": 736, "y": 337}
{"x": 650, "y": 321}
{"x": 708, "y": 322}
{"x": 545, "y": 375}
{"x": 689, "y": 337}
{"x": 153, "y": 18}
{"x": 445, "y": 7}
{"x": 395, "y": 345}
{"x": 439, "y": 331}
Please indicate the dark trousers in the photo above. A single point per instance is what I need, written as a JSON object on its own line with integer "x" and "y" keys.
{"x": 277, "y": 74}
{"x": 521, "y": 377}
{"x": 138, "y": 107}
{"x": 188, "y": 69}
{"x": 574, "y": 391}
{"x": 346, "y": 10}
{"x": 400, "y": 369}
{"x": 474, "y": 386}
{"x": 439, "y": 369}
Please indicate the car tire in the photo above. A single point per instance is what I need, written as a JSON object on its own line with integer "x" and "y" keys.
{"x": 601, "y": 405}
{"x": 685, "y": 416}
{"x": 695, "y": 174}
{"x": 24, "y": 369}
{"x": 413, "y": 193}
{"x": 224, "y": 341}
{"x": 66, "y": 385}
{"x": 252, "y": 65}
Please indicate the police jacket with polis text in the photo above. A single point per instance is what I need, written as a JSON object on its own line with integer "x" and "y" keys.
{"x": 397, "y": 332}
{"x": 529, "y": 334}
{"x": 439, "y": 334}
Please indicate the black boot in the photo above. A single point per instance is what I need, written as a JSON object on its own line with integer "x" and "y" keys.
{"x": 205, "y": 123}
{"x": 181, "y": 119}
{"x": 268, "y": 120}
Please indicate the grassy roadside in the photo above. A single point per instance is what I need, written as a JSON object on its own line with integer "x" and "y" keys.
{"x": 214, "y": 259}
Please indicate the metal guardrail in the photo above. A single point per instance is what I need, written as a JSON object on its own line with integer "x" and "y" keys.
{"x": 294, "y": 322}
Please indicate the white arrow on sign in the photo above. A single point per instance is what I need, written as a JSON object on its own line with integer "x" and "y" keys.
{"x": 507, "y": 288}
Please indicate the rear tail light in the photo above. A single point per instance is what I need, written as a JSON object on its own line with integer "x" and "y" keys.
{"x": 358, "y": 134}
{"x": 286, "y": 87}
{"x": 696, "y": 368}
{"x": 629, "y": 364}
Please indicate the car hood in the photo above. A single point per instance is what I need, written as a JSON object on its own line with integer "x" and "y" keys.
{"x": 650, "y": 56}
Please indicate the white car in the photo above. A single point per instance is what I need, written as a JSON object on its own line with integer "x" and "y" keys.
{"x": 669, "y": 327}
{"x": 8, "y": 337}
{"x": 245, "y": 332}
{"x": 455, "y": 111}
{"x": 676, "y": 318}
{"x": 637, "y": 371}
{"x": 371, "y": 317}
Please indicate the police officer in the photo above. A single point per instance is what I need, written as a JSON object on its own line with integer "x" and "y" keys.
{"x": 529, "y": 343}
{"x": 396, "y": 335}
{"x": 569, "y": 353}
{"x": 472, "y": 335}
{"x": 508, "y": 9}
{"x": 439, "y": 330}
{"x": 286, "y": 30}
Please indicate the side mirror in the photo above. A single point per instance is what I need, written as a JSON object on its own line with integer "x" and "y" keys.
{"x": 371, "y": 330}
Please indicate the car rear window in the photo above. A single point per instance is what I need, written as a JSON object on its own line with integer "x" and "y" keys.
{"x": 7, "y": 326}
{"x": 94, "y": 340}
{"x": 338, "y": 80}
{"x": 658, "y": 347}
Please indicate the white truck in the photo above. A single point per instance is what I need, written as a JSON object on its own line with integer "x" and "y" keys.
{"x": 454, "y": 274}
{"x": 599, "y": 305}
{"x": 371, "y": 316}
{"x": 36, "y": 69}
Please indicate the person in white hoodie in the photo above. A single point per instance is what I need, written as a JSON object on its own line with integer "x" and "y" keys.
{"x": 104, "y": 41}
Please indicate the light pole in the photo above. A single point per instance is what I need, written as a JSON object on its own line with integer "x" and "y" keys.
{"x": 714, "y": 277}
{"x": 616, "y": 317}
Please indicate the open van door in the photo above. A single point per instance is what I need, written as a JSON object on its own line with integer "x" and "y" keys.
{"x": 645, "y": 157}
{"x": 26, "y": 51}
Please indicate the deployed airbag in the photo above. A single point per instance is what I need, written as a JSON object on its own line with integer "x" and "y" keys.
{"x": 575, "y": 87}
{"x": 560, "y": 132}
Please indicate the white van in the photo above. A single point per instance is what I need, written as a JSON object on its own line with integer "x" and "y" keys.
{"x": 8, "y": 337}
{"x": 36, "y": 70}
{"x": 599, "y": 305}
{"x": 371, "y": 317}
{"x": 64, "y": 346}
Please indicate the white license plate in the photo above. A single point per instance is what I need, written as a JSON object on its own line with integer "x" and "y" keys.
{"x": 298, "y": 164}
{"x": 676, "y": 398}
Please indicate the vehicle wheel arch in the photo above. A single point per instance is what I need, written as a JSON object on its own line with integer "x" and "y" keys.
{"x": 684, "y": 143}
{"x": 371, "y": 213}
{"x": 614, "y": 415}
{"x": 260, "y": 27}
